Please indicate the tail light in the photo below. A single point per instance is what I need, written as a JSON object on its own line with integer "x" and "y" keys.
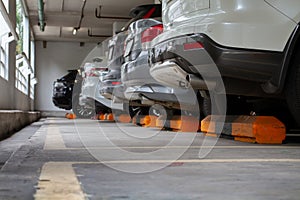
{"x": 192, "y": 45}
{"x": 91, "y": 74}
{"x": 149, "y": 34}
{"x": 116, "y": 83}
{"x": 94, "y": 72}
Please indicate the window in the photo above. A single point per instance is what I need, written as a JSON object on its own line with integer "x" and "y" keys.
{"x": 3, "y": 58}
{"x": 19, "y": 26}
{"x": 2, "y": 61}
{"x": 24, "y": 50}
{"x": 21, "y": 77}
{"x": 33, "y": 80}
{"x": 4, "y": 40}
{"x": 32, "y": 84}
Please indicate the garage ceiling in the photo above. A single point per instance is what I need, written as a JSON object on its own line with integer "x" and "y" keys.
{"x": 61, "y": 16}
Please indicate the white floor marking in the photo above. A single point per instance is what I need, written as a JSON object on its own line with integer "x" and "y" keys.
{"x": 235, "y": 160}
{"x": 58, "y": 181}
{"x": 54, "y": 140}
{"x": 179, "y": 147}
{"x": 200, "y": 161}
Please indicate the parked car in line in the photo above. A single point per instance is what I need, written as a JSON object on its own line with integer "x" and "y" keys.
{"x": 254, "y": 44}
{"x": 139, "y": 89}
{"x": 63, "y": 89}
{"x": 90, "y": 102}
{"x": 115, "y": 60}
{"x": 116, "y": 50}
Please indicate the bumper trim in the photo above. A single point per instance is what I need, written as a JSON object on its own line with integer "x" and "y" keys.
{"x": 163, "y": 71}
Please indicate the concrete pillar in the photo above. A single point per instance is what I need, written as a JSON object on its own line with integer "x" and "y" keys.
{"x": 12, "y": 58}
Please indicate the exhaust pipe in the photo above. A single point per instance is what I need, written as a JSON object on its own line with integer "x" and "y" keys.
{"x": 198, "y": 83}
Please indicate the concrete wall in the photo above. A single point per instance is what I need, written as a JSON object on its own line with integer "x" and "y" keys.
{"x": 12, "y": 121}
{"x": 6, "y": 100}
{"x": 53, "y": 62}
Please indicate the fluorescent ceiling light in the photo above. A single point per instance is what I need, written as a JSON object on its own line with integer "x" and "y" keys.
{"x": 74, "y": 31}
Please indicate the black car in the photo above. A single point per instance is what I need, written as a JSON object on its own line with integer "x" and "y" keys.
{"x": 63, "y": 89}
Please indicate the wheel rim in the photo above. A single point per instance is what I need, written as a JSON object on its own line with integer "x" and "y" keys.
{"x": 83, "y": 111}
{"x": 133, "y": 110}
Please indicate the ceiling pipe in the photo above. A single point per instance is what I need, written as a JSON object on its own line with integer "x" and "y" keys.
{"x": 75, "y": 29}
{"x": 41, "y": 13}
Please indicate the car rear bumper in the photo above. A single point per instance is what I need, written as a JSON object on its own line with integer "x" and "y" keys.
{"x": 108, "y": 87}
{"x": 136, "y": 72}
{"x": 176, "y": 61}
{"x": 197, "y": 61}
{"x": 157, "y": 92}
{"x": 106, "y": 91}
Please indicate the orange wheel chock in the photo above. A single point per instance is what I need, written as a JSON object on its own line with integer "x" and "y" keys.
{"x": 149, "y": 121}
{"x": 265, "y": 129}
{"x": 101, "y": 117}
{"x": 123, "y": 118}
{"x": 254, "y": 129}
{"x": 110, "y": 117}
{"x": 70, "y": 116}
{"x": 185, "y": 123}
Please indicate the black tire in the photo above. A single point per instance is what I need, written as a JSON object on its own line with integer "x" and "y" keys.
{"x": 136, "y": 110}
{"x": 235, "y": 105}
{"x": 205, "y": 107}
{"x": 293, "y": 89}
{"x": 101, "y": 109}
{"x": 133, "y": 111}
{"x": 81, "y": 111}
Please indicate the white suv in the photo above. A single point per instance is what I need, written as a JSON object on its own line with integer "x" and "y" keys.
{"x": 255, "y": 45}
{"x": 90, "y": 102}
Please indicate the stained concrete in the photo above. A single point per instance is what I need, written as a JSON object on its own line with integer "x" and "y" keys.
{"x": 232, "y": 170}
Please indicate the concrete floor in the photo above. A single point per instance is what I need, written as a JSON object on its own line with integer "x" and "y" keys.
{"x": 57, "y": 158}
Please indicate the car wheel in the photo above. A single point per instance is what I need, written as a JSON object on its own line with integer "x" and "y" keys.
{"x": 81, "y": 111}
{"x": 133, "y": 110}
{"x": 136, "y": 110}
{"x": 293, "y": 89}
{"x": 206, "y": 106}
{"x": 157, "y": 110}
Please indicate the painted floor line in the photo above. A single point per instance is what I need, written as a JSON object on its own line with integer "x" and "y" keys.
{"x": 178, "y": 147}
{"x": 200, "y": 161}
{"x": 54, "y": 139}
{"x": 58, "y": 181}
{"x": 250, "y": 160}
